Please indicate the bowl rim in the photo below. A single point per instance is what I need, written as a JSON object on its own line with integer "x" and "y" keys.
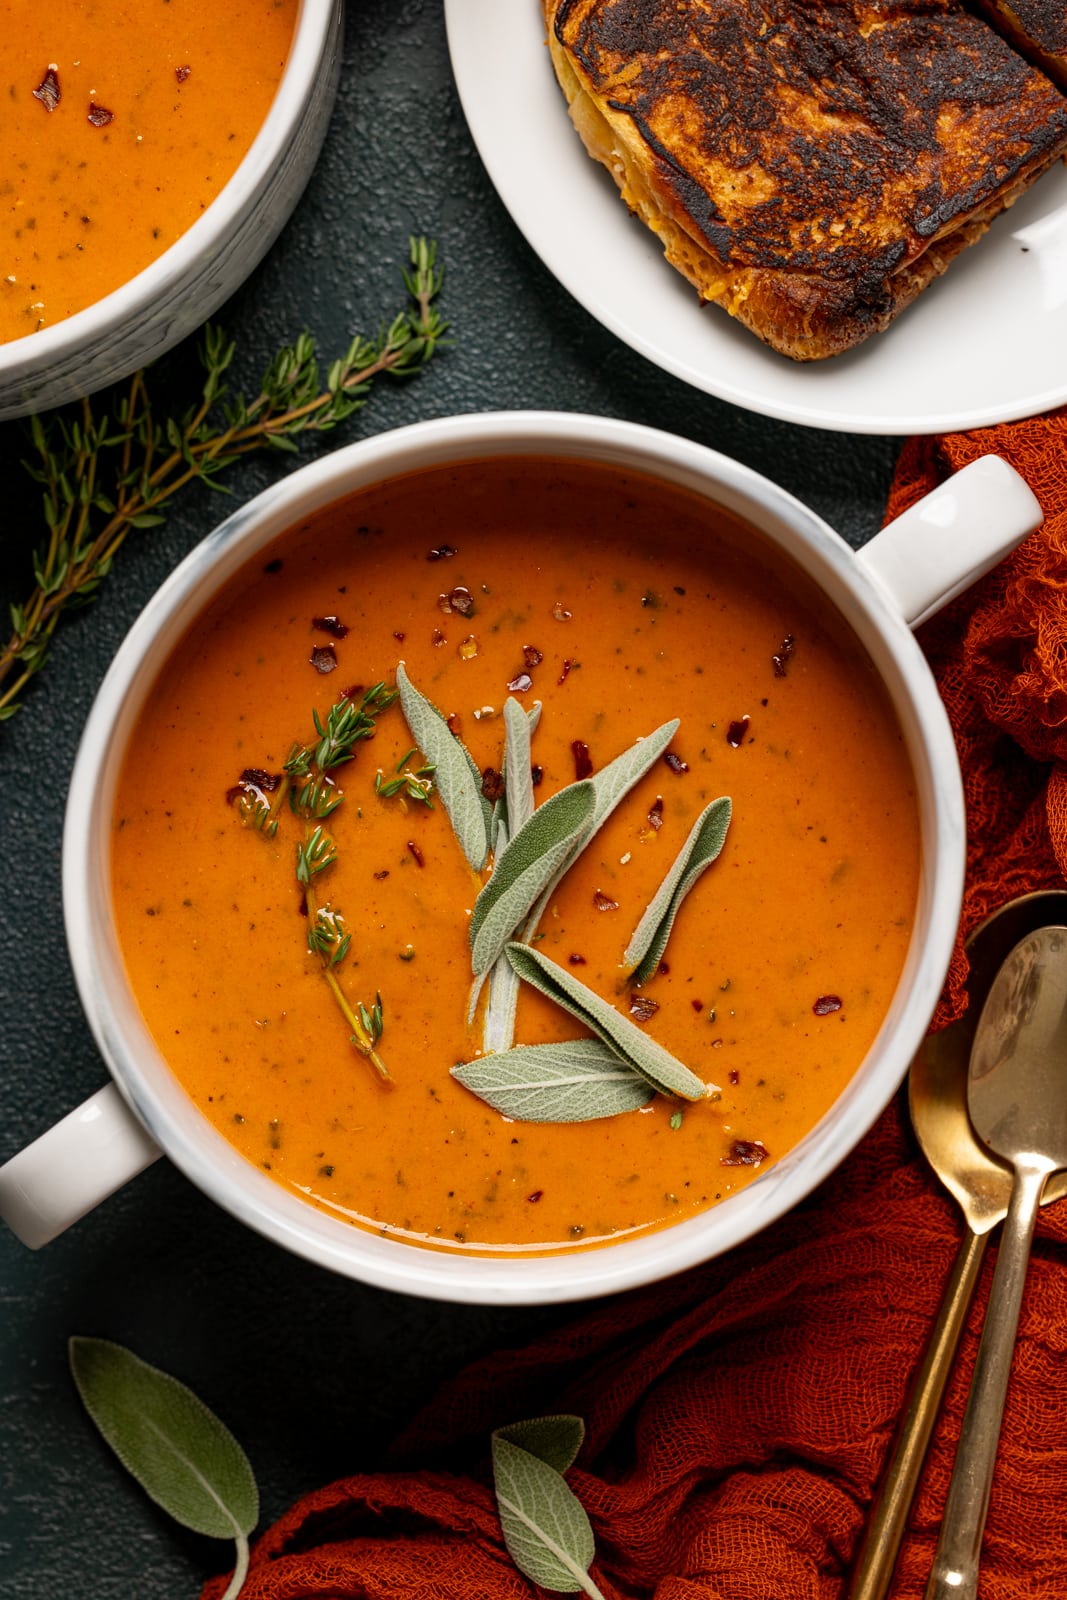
{"x": 264, "y": 1205}
{"x": 157, "y": 282}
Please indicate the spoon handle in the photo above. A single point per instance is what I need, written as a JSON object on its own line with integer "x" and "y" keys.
{"x": 955, "y": 1571}
{"x": 889, "y": 1515}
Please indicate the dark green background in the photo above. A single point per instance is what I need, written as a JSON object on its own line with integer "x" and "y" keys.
{"x": 313, "y": 1374}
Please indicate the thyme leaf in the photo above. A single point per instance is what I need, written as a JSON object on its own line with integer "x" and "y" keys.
{"x": 107, "y": 468}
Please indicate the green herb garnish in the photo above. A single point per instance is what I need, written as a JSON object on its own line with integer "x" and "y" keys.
{"x": 184, "y": 1458}
{"x": 706, "y": 839}
{"x": 313, "y": 796}
{"x": 647, "y": 1057}
{"x": 546, "y": 1530}
{"x": 105, "y": 473}
{"x": 459, "y": 783}
{"x": 577, "y": 1081}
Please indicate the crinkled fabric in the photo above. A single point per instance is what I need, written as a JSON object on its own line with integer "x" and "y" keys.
{"x": 739, "y": 1415}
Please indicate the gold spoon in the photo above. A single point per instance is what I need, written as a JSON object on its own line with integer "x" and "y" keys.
{"x": 1017, "y": 1097}
{"x": 937, "y": 1097}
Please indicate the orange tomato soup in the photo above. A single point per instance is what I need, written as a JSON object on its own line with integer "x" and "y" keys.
{"x": 625, "y": 604}
{"x": 123, "y": 120}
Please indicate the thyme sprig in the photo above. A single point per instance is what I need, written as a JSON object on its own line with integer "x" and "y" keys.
{"x": 106, "y": 472}
{"x": 313, "y": 795}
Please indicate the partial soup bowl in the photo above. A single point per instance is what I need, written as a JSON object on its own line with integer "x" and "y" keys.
{"x": 904, "y": 574}
{"x": 170, "y": 298}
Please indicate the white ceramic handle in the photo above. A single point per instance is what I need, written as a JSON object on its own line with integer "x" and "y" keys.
{"x": 72, "y": 1167}
{"x": 951, "y": 537}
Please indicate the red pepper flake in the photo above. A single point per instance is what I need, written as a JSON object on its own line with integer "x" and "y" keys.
{"x": 274, "y": 566}
{"x": 416, "y": 854}
{"x": 745, "y": 1153}
{"x": 642, "y": 1007}
{"x": 382, "y": 874}
{"x": 675, "y": 762}
{"x": 353, "y": 692}
{"x": 826, "y": 1005}
{"x": 576, "y": 960}
{"x": 455, "y": 726}
{"x": 461, "y": 600}
{"x": 697, "y": 1005}
{"x": 100, "y": 116}
{"x": 533, "y": 1198}
{"x": 521, "y": 684}
{"x": 604, "y": 902}
{"x": 735, "y": 733}
{"x": 437, "y": 638}
{"x": 663, "y": 968}
{"x": 531, "y": 656}
{"x": 323, "y": 658}
{"x": 536, "y": 775}
{"x": 260, "y": 779}
{"x": 780, "y": 659}
{"x": 181, "y": 73}
{"x": 492, "y": 784}
{"x": 733, "y": 1075}
{"x": 47, "y": 91}
{"x": 441, "y": 552}
{"x": 655, "y": 813}
{"x": 332, "y": 625}
{"x": 399, "y": 637}
{"x": 564, "y": 671}
{"x": 583, "y": 761}
{"x": 303, "y": 910}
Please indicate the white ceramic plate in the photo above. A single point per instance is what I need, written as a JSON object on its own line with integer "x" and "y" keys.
{"x": 986, "y": 343}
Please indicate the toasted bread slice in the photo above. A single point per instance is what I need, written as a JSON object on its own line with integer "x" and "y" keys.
{"x": 808, "y": 164}
{"x": 1037, "y": 29}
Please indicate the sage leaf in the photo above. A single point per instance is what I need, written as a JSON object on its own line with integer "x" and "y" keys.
{"x": 459, "y": 783}
{"x": 531, "y": 858}
{"x": 556, "y": 1440}
{"x": 611, "y": 784}
{"x": 498, "y": 1028}
{"x": 707, "y": 836}
{"x": 581, "y": 1080}
{"x": 663, "y": 1071}
{"x": 184, "y": 1458}
{"x": 547, "y": 1533}
{"x": 518, "y": 778}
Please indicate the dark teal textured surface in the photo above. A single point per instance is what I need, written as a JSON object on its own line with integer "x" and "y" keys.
{"x": 313, "y": 1374}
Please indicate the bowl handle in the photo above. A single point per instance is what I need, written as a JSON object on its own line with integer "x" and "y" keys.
{"x": 950, "y": 537}
{"x": 74, "y": 1165}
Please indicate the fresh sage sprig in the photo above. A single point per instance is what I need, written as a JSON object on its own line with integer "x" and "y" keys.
{"x": 184, "y": 1458}
{"x": 706, "y": 838}
{"x": 106, "y": 472}
{"x": 459, "y": 783}
{"x": 530, "y": 860}
{"x": 610, "y": 785}
{"x": 662, "y": 1070}
{"x": 580, "y": 1080}
{"x": 511, "y": 812}
{"x": 546, "y": 1530}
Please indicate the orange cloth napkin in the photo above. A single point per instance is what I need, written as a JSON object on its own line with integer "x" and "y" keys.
{"x": 739, "y": 1415}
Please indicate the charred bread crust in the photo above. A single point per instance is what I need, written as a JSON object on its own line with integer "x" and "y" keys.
{"x": 1037, "y": 29}
{"x": 808, "y": 164}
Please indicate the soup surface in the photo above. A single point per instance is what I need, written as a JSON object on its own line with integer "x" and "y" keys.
{"x": 618, "y": 606}
{"x": 124, "y": 119}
